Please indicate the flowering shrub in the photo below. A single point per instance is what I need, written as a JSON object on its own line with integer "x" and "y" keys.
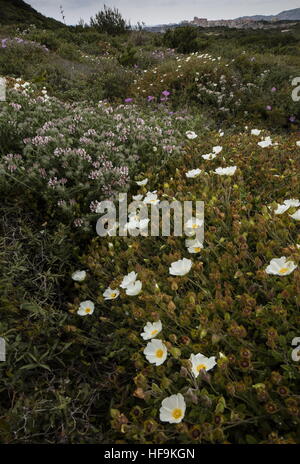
{"x": 223, "y": 326}
{"x": 143, "y": 339}
{"x": 225, "y": 88}
{"x": 78, "y": 155}
{"x": 18, "y": 42}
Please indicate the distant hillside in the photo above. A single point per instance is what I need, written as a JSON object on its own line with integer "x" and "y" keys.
{"x": 17, "y": 12}
{"x": 288, "y": 15}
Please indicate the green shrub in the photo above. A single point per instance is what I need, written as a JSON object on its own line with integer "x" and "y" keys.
{"x": 110, "y": 21}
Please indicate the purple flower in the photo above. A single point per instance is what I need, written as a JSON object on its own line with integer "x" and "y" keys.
{"x": 165, "y": 93}
{"x": 128, "y": 100}
{"x": 273, "y": 89}
{"x": 269, "y": 108}
{"x": 292, "y": 119}
{"x": 150, "y": 98}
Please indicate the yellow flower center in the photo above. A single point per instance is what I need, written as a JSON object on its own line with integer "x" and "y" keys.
{"x": 88, "y": 310}
{"x": 197, "y": 249}
{"x": 177, "y": 413}
{"x": 200, "y": 367}
{"x": 154, "y": 332}
{"x": 159, "y": 353}
{"x": 194, "y": 226}
{"x": 283, "y": 270}
{"x": 113, "y": 295}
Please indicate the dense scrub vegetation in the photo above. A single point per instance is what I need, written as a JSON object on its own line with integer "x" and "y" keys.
{"x": 87, "y": 116}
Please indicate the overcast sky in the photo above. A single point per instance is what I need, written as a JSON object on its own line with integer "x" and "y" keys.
{"x": 163, "y": 11}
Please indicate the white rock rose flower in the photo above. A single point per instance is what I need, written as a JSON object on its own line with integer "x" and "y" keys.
{"x": 195, "y": 247}
{"x": 296, "y": 215}
{"x": 210, "y": 156}
{"x": 292, "y": 203}
{"x": 137, "y": 197}
{"x": 193, "y": 173}
{"x": 151, "y": 330}
{"x": 267, "y": 142}
{"x": 134, "y": 288}
{"x": 86, "y": 308}
{"x": 217, "y": 149}
{"x": 110, "y": 294}
{"x": 281, "y": 267}
{"x": 191, "y": 135}
{"x": 156, "y": 352}
{"x": 287, "y": 204}
{"x": 79, "y": 276}
{"x": 128, "y": 279}
{"x": 151, "y": 199}
{"x": 281, "y": 209}
{"x": 200, "y": 362}
{"x": 192, "y": 225}
{"x": 172, "y": 409}
{"x": 180, "y": 267}
{"x": 230, "y": 171}
{"x": 141, "y": 183}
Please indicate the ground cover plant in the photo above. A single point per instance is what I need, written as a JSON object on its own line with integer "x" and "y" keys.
{"x": 145, "y": 339}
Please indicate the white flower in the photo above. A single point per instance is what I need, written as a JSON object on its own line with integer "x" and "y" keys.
{"x": 281, "y": 209}
{"x": 141, "y": 183}
{"x": 255, "y": 132}
{"x": 181, "y": 267}
{"x": 195, "y": 247}
{"x": 128, "y": 279}
{"x": 110, "y": 294}
{"x": 135, "y": 223}
{"x": 226, "y": 171}
{"x": 298, "y": 143}
{"x": 151, "y": 330}
{"x": 193, "y": 173}
{"x": 151, "y": 199}
{"x": 209, "y": 157}
{"x": 292, "y": 203}
{"x": 280, "y": 266}
{"x": 192, "y": 225}
{"x": 156, "y": 352}
{"x": 286, "y": 205}
{"x": 296, "y": 215}
{"x": 79, "y": 276}
{"x": 172, "y": 409}
{"x": 137, "y": 197}
{"x": 217, "y": 149}
{"x": 265, "y": 143}
{"x": 191, "y": 135}
{"x": 86, "y": 308}
{"x": 134, "y": 288}
{"x": 200, "y": 362}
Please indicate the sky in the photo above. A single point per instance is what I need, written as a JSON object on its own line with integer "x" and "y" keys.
{"x": 162, "y": 11}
